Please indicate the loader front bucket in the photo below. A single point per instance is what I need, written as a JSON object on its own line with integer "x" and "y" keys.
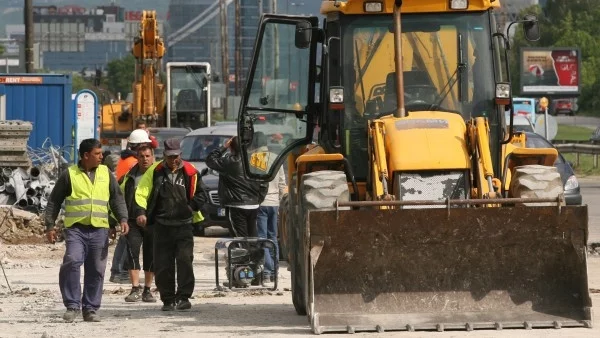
{"x": 443, "y": 269}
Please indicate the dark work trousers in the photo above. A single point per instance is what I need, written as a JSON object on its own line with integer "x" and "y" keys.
{"x": 174, "y": 246}
{"x": 243, "y": 222}
{"x": 140, "y": 237}
{"x": 87, "y": 246}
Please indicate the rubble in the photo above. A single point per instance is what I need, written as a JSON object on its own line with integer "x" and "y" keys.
{"x": 19, "y": 226}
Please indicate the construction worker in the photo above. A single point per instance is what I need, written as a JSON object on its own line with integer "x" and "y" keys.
{"x": 240, "y": 196}
{"x": 138, "y": 236}
{"x": 87, "y": 189}
{"x": 137, "y": 138}
{"x": 169, "y": 198}
{"x": 153, "y": 140}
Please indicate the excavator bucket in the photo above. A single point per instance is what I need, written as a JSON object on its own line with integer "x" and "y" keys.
{"x": 459, "y": 268}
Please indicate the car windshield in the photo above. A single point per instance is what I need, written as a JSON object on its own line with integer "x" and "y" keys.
{"x": 196, "y": 148}
{"x": 538, "y": 141}
{"x": 161, "y": 137}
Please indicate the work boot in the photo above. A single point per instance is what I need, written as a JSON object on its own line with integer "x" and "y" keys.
{"x": 120, "y": 278}
{"x": 90, "y": 316}
{"x": 183, "y": 304}
{"x": 135, "y": 295}
{"x": 148, "y": 297}
{"x": 168, "y": 307}
{"x": 70, "y": 315}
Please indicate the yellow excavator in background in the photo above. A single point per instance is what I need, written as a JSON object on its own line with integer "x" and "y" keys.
{"x": 148, "y": 100}
{"x": 415, "y": 206}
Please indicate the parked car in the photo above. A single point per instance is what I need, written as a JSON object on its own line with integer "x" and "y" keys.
{"x": 192, "y": 147}
{"x": 162, "y": 134}
{"x": 214, "y": 137}
{"x": 563, "y": 106}
{"x": 570, "y": 182}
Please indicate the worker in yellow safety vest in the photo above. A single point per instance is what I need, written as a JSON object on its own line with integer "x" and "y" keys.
{"x": 88, "y": 190}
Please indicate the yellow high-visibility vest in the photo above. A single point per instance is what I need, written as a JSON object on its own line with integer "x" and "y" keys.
{"x": 88, "y": 202}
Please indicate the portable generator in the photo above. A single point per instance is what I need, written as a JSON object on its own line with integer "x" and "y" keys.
{"x": 244, "y": 260}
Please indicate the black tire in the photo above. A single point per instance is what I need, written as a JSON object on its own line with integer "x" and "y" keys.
{"x": 319, "y": 190}
{"x": 536, "y": 181}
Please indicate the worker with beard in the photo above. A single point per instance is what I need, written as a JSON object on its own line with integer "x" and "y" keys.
{"x": 169, "y": 198}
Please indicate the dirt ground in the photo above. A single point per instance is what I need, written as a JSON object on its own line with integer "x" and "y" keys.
{"x": 34, "y": 308}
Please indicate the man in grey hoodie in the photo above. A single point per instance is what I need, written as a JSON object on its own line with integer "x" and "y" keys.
{"x": 266, "y": 221}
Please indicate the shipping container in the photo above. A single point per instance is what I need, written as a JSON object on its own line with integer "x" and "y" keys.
{"x": 45, "y": 101}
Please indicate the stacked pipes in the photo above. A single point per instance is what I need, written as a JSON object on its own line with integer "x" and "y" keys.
{"x": 25, "y": 188}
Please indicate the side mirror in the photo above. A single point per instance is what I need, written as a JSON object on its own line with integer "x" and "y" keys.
{"x": 303, "y": 35}
{"x": 204, "y": 172}
{"x": 247, "y": 130}
{"x": 531, "y": 28}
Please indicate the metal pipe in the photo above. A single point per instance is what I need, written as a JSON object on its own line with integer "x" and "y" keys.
{"x": 400, "y": 111}
{"x": 7, "y": 172}
{"x": 48, "y": 188}
{"x": 9, "y": 188}
{"x": 34, "y": 173}
{"x": 23, "y": 202}
{"x": 16, "y": 180}
{"x": 449, "y": 202}
{"x": 30, "y": 192}
{"x": 35, "y": 185}
{"x": 33, "y": 200}
{"x": 43, "y": 202}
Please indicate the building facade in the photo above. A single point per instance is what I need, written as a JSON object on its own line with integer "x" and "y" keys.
{"x": 194, "y": 32}
{"x": 77, "y": 39}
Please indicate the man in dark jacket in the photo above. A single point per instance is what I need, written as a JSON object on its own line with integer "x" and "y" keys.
{"x": 170, "y": 198}
{"x": 242, "y": 197}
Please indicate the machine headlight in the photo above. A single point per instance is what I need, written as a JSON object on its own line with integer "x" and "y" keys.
{"x": 572, "y": 183}
{"x": 459, "y": 4}
{"x": 336, "y": 95}
{"x": 503, "y": 90}
{"x": 373, "y": 7}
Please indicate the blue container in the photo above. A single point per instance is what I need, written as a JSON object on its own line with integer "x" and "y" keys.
{"x": 44, "y": 100}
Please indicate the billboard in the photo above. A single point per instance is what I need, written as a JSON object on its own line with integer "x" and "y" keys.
{"x": 551, "y": 71}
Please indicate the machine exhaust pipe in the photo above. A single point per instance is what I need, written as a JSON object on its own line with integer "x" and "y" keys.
{"x": 400, "y": 111}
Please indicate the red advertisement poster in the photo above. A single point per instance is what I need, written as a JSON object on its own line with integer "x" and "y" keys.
{"x": 550, "y": 71}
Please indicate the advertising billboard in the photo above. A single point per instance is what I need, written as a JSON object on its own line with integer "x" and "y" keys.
{"x": 550, "y": 71}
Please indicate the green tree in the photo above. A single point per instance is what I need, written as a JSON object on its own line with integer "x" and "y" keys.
{"x": 567, "y": 23}
{"x": 1, "y": 49}
{"x": 121, "y": 74}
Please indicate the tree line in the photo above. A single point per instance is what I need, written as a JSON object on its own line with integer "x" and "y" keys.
{"x": 567, "y": 23}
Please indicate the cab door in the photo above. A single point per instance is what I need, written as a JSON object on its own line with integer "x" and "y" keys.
{"x": 277, "y": 109}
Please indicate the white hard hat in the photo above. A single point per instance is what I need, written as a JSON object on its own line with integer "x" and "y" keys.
{"x": 138, "y": 136}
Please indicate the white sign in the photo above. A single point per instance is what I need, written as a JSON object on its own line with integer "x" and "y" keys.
{"x": 85, "y": 115}
{"x": 540, "y": 127}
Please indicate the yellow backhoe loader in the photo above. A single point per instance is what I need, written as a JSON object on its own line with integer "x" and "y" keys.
{"x": 147, "y": 103}
{"x": 412, "y": 204}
